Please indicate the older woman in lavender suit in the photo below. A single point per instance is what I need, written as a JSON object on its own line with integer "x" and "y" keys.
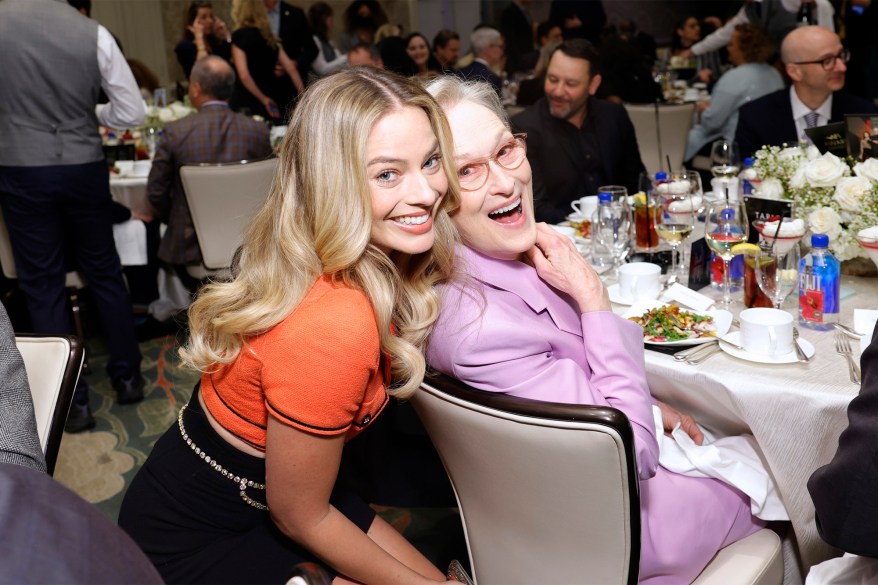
{"x": 531, "y": 318}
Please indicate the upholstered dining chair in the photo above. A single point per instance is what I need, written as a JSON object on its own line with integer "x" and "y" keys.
{"x": 221, "y": 199}
{"x": 662, "y": 131}
{"x": 549, "y": 492}
{"x": 53, "y": 364}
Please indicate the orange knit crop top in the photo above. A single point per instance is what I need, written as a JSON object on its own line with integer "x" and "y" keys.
{"x": 319, "y": 370}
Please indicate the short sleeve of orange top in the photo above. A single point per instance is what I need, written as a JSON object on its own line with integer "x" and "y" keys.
{"x": 319, "y": 370}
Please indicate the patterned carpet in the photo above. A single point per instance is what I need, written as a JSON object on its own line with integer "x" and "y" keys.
{"x": 99, "y": 464}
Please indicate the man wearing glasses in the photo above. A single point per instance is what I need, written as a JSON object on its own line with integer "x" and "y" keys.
{"x": 816, "y": 62}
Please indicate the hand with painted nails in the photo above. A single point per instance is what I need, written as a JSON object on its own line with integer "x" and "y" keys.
{"x": 559, "y": 263}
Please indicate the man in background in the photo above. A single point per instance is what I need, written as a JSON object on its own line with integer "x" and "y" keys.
{"x": 576, "y": 142}
{"x": 446, "y": 48}
{"x": 488, "y": 50}
{"x": 215, "y": 134}
{"x": 815, "y": 60}
{"x": 54, "y": 182}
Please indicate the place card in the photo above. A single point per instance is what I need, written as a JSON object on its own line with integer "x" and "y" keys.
{"x": 699, "y": 265}
{"x": 830, "y": 138}
{"x": 764, "y": 209}
{"x": 688, "y": 297}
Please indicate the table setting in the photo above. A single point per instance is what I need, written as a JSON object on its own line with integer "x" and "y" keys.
{"x": 759, "y": 369}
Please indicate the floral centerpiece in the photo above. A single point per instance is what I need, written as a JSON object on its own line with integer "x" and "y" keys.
{"x": 834, "y": 196}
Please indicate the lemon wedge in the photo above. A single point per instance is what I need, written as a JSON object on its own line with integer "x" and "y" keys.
{"x": 744, "y": 248}
{"x": 640, "y": 198}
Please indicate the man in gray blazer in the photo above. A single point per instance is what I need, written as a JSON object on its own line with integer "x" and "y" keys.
{"x": 19, "y": 442}
{"x": 215, "y": 134}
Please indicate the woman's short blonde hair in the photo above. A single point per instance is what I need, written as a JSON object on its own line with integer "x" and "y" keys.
{"x": 318, "y": 220}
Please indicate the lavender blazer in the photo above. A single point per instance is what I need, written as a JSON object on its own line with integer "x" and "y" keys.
{"x": 510, "y": 332}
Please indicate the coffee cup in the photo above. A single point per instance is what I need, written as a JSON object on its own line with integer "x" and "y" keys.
{"x": 639, "y": 281}
{"x": 585, "y": 206}
{"x": 766, "y": 331}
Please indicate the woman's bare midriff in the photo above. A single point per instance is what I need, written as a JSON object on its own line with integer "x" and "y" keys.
{"x": 227, "y": 436}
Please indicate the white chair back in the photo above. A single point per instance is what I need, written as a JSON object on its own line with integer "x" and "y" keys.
{"x": 53, "y": 365}
{"x": 547, "y": 492}
{"x": 661, "y": 135}
{"x": 222, "y": 198}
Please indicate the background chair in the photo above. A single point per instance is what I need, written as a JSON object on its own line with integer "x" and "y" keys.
{"x": 662, "y": 131}
{"x": 221, "y": 199}
{"x": 549, "y": 492}
{"x": 53, "y": 364}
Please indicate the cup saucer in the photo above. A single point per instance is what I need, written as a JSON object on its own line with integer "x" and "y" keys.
{"x": 787, "y": 358}
{"x": 617, "y": 297}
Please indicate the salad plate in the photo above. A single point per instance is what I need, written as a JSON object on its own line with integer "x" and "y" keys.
{"x": 694, "y": 323}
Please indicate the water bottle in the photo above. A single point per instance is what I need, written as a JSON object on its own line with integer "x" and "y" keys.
{"x": 819, "y": 283}
{"x": 747, "y": 176}
{"x": 602, "y": 225}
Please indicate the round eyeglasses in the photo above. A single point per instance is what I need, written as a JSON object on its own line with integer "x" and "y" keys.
{"x": 473, "y": 175}
{"x": 828, "y": 62}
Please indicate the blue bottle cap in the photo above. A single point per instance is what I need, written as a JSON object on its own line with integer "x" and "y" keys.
{"x": 661, "y": 176}
{"x": 727, "y": 214}
{"x": 819, "y": 241}
{"x": 748, "y": 162}
{"x": 605, "y": 196}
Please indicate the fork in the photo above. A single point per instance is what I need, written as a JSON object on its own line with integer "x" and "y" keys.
{"x": 843, "y": 346}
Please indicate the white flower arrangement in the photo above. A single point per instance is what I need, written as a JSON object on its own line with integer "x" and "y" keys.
{"x": 174, "y": 111}
{"x": 833, "y": 196}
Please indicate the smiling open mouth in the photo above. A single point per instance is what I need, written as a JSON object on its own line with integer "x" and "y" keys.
{"x": 507, "y": 214}
{"x": 412, "y": 219}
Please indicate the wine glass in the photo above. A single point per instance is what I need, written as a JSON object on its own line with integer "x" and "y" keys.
{"x": 675, "y": 218}
{"x": 611, "y": 232}
{"x": 725, "y": 159}
{"x": 777, "y": 272}
{"x": 726, "y": 226}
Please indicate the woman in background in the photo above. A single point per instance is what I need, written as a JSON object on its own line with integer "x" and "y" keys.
{"x": 362, "y": 18}
{"x": 749, "y": 51}
{"x": 531, "y": 318}
{"x": 255, "y": 51}
{"x": 329, "y": 58}
{"x": 418, "y": 48}
{"x": 203, "y": 34}
{"x": 327, "y": 313}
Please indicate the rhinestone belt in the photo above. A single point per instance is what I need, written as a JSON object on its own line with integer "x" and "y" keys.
{"x": 242, "y": 482}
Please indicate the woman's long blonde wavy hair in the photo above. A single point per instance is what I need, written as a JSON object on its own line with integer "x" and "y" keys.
{"x": 252, "y": 14}
{"x": 318, "y": 219}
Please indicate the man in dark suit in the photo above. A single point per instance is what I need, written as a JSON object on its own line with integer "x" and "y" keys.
{"x": 290, "y": 25}
{"x": 845, "y": 492}
{"x": 488, "y": 47}
{"x": 816, "y": 62}
{"x": 576, "y": 142}
{"x": 517, "y": 28}
{"x": 214, "y": 135}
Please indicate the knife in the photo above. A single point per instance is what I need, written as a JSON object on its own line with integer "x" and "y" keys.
{"x": 800, "y": 355}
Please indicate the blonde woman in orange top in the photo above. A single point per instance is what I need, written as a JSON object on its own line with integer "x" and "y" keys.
{"x": 326, "y": 315}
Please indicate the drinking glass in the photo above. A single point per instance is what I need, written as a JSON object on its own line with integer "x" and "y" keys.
{"x": 725, "y": 159}
{"x": 646, "y": 238}
{"x": 726, "y": 226}
{"x": 675, "y": 218}
{"x": 777, "y": 272}
{"x": 611, "y": 232}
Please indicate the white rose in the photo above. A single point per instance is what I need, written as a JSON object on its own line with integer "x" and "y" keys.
{"x": 166, "y": 115}
{"x": 797, "y": 181}
{"x": 850, "y": 192}
{"x": 824, "y": 220}
{"x": 825, "y": 171}
{"x": 771, "y": 189}
{"x": 812, "y": 152}
{"x": 868, "y": 169}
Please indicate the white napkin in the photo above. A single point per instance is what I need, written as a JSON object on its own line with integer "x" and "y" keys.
{"x": 130, "y": 239}
{"x": 733, "y": 460}
{"x": 847, "y": 570}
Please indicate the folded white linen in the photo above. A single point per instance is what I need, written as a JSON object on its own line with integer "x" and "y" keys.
{"x": 130, "y": 239}
{"x": 733, "y": 460}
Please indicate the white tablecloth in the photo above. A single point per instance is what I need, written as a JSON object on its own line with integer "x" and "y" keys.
{"x": 131, "y": 192}
{"x": 796, "y": 412}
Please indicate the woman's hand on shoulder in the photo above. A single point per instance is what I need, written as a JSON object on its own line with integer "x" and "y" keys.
{"x": 559, "y": 263}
